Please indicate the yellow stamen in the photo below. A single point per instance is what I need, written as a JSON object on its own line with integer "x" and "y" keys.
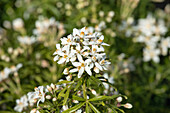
{"x": 82, "y": 33}
{"x": 65, "y": 56}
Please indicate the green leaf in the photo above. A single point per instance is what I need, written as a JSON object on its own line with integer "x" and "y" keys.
{"x": 64, "y": 81}
{"x": 84, "y": 91}
{"x": 98, "y": 98}
{"x": 74, "y": 108}
{"x": 96, "y": 80}
{"x": 115, "y": 107}
{"x": 78, "y": 98}
{"x": 66, "y": 95}
{"x": 94, "y": 108}
{"x": 87, "y": 108}
{"x": 119, "y": 109}
{"x": 78, "y": 85}
{"x": 61, "y": 94}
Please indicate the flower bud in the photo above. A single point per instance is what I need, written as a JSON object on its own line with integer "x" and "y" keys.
{"x": 66, "y": 71}
{"x": 93, "y": 92}
{"x": 52, "y": 85}
{"x": 119, "y": 99}
{"x": 54, "y": 99}
{"x": 48, "y": 97}
{"x": 75, "y": 101}
{"x": 33, "y": 110}
{"x": 128, "y": 105}
{"x": 49, "y": 88}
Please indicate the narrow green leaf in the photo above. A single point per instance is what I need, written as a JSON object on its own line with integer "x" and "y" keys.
{"x": 64, "y": 81}
{"x": 84, "y": 91}
{"x": 66, "y": 95}
{"x": 115, "y": 107}
{"x": 78, "y": 85}
{"x": 96, "y": 80}
{"x": 119, "y": 109}
{"x": 87, "y": 108}
{"x": 74, "y": 108}
{"x": 98, "y": 98}
{"x": 78, "y": 98}
{"x": 94, "y": 108}
{"x": 61, "y": 94}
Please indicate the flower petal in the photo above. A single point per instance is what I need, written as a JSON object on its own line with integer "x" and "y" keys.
{"x": 73, "y": 70}
{"x": 88, "y": 70}
{"x": 76, "y": 64}
{"x": 80, "y": 72}
{"x": 61, "y": 61}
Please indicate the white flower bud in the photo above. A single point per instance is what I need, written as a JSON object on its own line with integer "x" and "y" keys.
{"x": 93, "y": 92}
{"x": 111, "y": 14}
{"x": 69, "y": 77}
{"x": 54, "y": 99}
{"x": 101, "y": 13}
{"x": 48, "y": 97}
{"x": 119, "y": 99}
{"x": 128, "y": 105}
{"x": 66, "y": 71}
{"x": 75, "y": 101}
{"x": 52, "y": 85}
{"x": 10, "y": 50}
{"x": 49, "y": 88}
{"x": 33, "y": 110}
{"x": 18, "y": 23}
{"x": 65, "y": 107}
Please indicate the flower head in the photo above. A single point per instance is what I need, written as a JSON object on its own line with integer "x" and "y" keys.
{"x": 21, "y": 103}
{"x": 84, "y": 50}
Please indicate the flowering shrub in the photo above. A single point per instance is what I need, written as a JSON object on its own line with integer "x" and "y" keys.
{"x": 82, "y": 51}
{"x": 125, "y": 44}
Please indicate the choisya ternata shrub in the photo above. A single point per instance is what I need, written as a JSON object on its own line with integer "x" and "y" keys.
{"x": 84, "y": 89}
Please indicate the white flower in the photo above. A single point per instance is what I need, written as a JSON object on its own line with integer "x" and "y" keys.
{"x": 16, "y": 68}
{"x": 26, "y": 40}
{"x": 32, "y": 98}
{"x": 18, "y": 24}
{"x": 81, "y": 66}
{"x": 43, "y": 25}
{"x": 21, "y": 104}
{"x": 5, "y": 73}
{"x": 34, "y": 111}
{"x": 165, "y": 45}
{"x": 151, "y": 54}
{"x": 146, "y": 26}
{"x": 40, "y": 95}
{"x": 160, "y": 28}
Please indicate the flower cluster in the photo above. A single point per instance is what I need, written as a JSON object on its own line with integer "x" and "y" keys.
{"x": 84, "y": 50}
{"x": 32, "y": 98}
{"x": 7, "y": 71}
{"x": 44, "y": 25}
{"x": 151, "y": 34}
{"x": 26, "y": 40}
